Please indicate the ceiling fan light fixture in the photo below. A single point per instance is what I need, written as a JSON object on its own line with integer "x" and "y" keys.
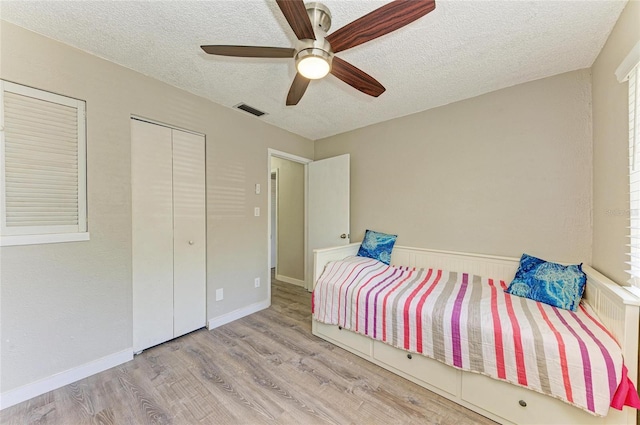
{"x": 313, "y": 67}
{"x": 313, "y": 63}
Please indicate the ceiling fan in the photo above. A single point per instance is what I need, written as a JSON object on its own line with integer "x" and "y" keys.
{"x": 315, "y": 51}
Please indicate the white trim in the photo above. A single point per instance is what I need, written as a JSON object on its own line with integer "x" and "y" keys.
{"x": 307, "y": 267}
{"x": 26, "y": 392}
{"x": 285, "y": 155}
{"x": 83, "y": 204}
{"x": 42, "y": 94}
{"x": 274, "y": 232}
{"x": 163, "y": 124}
{"x": 41, "y": 230}
{"x": 630, "y": 61}
{"x": 237, "y": 314}
{"x": 42, "y": 239}
{"x": 290, "y": 280}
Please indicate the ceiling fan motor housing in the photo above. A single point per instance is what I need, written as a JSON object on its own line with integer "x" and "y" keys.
{"x": 320, "y": 17}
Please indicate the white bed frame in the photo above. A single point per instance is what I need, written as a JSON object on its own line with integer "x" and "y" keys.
{"x": 617, "y": 308}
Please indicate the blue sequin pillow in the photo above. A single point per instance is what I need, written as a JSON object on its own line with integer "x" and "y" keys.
{"x": 550, "y": 283}
{"x": 377, "y": 245}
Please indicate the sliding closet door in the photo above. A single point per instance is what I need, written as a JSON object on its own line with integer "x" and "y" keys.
{"x": 189, "y": 231}
{"x": 152, "y": 233}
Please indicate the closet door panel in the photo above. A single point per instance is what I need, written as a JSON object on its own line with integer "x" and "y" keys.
{"x": 189, "y": 229}
{"x": 152, "y": 234}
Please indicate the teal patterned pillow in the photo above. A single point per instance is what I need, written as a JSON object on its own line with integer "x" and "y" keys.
{"x": 550, "y": 283}
{"x": 377, "y": 245}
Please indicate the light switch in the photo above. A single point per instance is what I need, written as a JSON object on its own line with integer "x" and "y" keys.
{"x": 256, "y": 211}
{"x": 257, "y": 188}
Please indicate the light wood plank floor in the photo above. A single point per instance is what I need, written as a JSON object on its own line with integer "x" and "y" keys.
{"x": 266, "y": 368}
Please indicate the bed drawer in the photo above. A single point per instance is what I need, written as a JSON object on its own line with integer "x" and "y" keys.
{"x": 504, "y": 400}
{"x": 429, "y": 371}
{"x": 346, "y": 339}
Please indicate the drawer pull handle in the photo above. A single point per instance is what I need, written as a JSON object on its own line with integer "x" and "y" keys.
{"x": 522, "y": 403}
{"x": 409, "y": 356}
{"x": 339, "y": 328}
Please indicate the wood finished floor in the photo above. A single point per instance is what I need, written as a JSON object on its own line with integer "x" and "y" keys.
{"x": 266, "y": 368}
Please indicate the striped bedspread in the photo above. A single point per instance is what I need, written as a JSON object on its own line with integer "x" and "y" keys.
{"x": 469, "y": 322}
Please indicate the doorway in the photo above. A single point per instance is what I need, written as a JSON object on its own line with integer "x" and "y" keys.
{"x": 277, "y": 161}
{"x": 288, "y": 225}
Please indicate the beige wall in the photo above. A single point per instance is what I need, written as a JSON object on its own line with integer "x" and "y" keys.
{"x": 64, "y": 305}
{"x": 611, "y": 148}
{"x": 503, "y": 173}
{"x": 290, "y": 218}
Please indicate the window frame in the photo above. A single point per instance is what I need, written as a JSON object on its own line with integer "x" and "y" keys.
{"x": 629, "y": 71}
{"x": 633, "y": 78}
{"x": 30, "y": 235}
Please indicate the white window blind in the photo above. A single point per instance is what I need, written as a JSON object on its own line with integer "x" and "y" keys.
{"x": 43, "y": 167}
{"x": 634, "y": 175}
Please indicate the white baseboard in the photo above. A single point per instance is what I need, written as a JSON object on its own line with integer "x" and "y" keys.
{"x": 26, "y": 392}
{"x": 291, "y": 280}
{"x": 237, "y": 314}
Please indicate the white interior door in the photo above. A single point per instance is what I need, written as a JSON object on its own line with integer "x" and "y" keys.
{"x": 328, "y": 207}
{"x": 152, "y": 234}
{"x": 189, "y": 233}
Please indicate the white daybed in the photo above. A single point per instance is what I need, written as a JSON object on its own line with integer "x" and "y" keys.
{"x": 617, "y": 309}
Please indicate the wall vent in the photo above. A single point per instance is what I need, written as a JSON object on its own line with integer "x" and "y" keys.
{"x": 249, "y": 109}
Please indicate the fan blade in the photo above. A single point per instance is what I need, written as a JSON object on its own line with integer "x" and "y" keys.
{"x": 297, "y": 89}
{"x": 296, "y": 14}
{"x": 356, "y": 77}
{"x": 250, "y": 51}
{"x": 381, "y": 21}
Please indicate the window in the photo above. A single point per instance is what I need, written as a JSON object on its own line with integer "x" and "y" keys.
{"x": 629, "y": 71}
{"x": 42, "y": 167}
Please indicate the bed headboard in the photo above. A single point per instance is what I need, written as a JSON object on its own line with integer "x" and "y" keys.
{"x": 617, "y": 308}
{"x": 482, "y": 265}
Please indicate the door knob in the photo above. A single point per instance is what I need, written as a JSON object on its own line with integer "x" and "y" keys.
{"x": 343, "y": 236}
{"x": 190, "y": 242}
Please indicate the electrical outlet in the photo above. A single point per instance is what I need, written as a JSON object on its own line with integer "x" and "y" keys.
{"x": 257, "y": 188}
{"x": 256, "y": 282}
{"x": 219, "y": 294}
{"x": 256, "y": 211}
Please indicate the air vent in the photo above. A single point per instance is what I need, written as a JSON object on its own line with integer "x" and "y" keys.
{"x": 249, "y": 109}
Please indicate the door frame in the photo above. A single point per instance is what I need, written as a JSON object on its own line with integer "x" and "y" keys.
{"x": 271, "y": 153}
{"x": 272, "y": 208}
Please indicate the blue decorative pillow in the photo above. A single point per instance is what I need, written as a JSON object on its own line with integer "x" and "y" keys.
{"x": 550, "y": 283}
{"x": 377, "y": 245}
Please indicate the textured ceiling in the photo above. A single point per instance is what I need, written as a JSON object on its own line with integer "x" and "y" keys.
{"x": 460, "y": 50}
